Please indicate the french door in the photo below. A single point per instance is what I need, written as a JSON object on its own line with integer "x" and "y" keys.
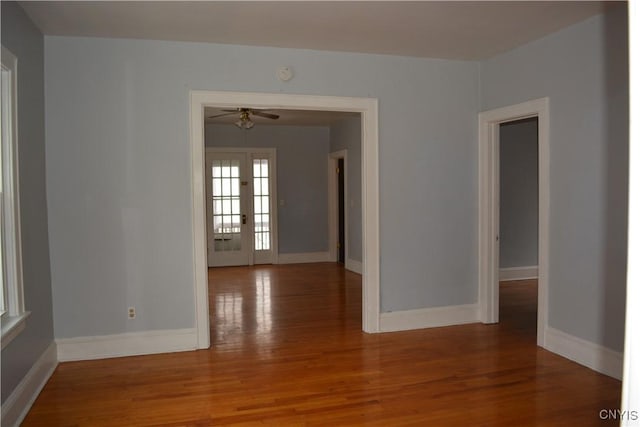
{"x": 240, "y": 207}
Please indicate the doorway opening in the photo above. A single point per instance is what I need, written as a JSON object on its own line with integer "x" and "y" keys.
{"x": 518, "y": 224}
{"x": 341, "y": 221}
{"x": 368, "y": 110}
{"x": 489, "y": 208}
{"x": 338, "y": 200}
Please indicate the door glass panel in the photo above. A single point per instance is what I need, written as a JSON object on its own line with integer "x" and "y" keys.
{"x": 226, "y": 205}
{"x": 262, "y": 236}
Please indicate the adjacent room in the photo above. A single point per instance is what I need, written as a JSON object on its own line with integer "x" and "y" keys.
{"x": 315, "y": 213}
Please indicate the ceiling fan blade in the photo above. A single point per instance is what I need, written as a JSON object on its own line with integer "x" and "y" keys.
{"x": 222, "y": 115}
{"x": 265, "y": 115}
{"x": 235, "y": 110}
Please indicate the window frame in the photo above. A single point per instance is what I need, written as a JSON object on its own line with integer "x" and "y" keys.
{"x": 13, "y": 319}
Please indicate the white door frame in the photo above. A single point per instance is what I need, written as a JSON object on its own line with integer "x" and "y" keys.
{"x": 489, "y": 208}
{"x": 333, "y": 206}
{"x": 631, "y": 375}
{"x": 368, "y": 108}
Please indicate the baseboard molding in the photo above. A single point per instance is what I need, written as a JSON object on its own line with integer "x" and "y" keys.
{"x": 127, "y": 344}
{"x": 586, "y": 353}
{"x": 353, "y": 265}
{"x": 302, "y": 258}
{"x": 19, "y": 402}
{"x": 428, "y": 317}
{"x": 519, "y": 273}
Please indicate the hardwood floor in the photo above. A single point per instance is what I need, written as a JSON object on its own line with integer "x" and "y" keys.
{"x": 287, "y": 349}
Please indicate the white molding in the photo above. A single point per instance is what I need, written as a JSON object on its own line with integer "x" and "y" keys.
{"x": 353, "y": 265}
{"x": 19, "y": 402}
{"x": 127, "y": 344}
{"x": 519, "y": 273}
{"x": 489, "y": 209}
{"x": 198, "y": 220}
{"x": 303, "y": 257}
{"x": 12, "y": 239}
{"x": 12, "y": 326}
{"x": 246, "y": 150}
{"x": 368, "y": 109}
{"x": 630, "y": 400}
{"x": 586, "y": 353}
{"x": 428, "y": 317}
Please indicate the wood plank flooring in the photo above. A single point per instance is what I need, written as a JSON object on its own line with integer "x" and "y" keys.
{"x": 287, "y": 349}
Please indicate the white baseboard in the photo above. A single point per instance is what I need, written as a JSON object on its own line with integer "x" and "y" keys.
{"x": 519, "y": 273}
{"x": 17, "y": 405}
{"x": 353, "y": 265}
{"x": 127, "y": 344}
{"x": 586, "y": 353}
{"x": 428, "y": 317}
{"x": 301, "y": 258}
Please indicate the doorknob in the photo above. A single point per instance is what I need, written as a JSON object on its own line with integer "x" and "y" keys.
{"x": 244, "y": 218}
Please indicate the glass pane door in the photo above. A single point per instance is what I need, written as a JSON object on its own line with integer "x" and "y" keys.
{"x": 241, "y": 218}
{"x": 228, "y": 234}
{"x": 226, "y": 205}
{"x": 261, "y": 208}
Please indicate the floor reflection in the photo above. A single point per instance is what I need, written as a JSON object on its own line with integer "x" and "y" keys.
{"x": 243, "y": 306}
{"x": 264, "y": 319}
{"x": 228, "y": 314}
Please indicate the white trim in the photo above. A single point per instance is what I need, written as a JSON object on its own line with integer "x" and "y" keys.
{"x": 519, "y": 273}
{"x": 428, "y": 317}
{"x": 333, "y": 206}
{"x": 12, "y": 326}
{"x": 127, "y": 344}
{"x": 631, "y": 379}
{"x": 19, "y": 402}
{"x": 586, "y": 353}
{"x": 488, "y": 208}
{"x": 353, "y": 265}
{"x": 303, "y": 257}
{"x": 368, "y": 107}
{"x": 12, "y": 243}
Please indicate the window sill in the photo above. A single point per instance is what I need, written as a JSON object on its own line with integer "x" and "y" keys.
{"x": 12, "y": 326}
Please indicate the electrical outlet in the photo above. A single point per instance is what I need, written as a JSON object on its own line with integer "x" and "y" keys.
{"x": 132, "y": 312}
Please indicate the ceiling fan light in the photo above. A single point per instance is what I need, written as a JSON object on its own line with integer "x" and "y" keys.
{"x": 244, "y": 123}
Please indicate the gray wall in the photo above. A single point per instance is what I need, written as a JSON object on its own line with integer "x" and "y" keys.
{"x": 519, "y": 193}
{"x": 346, "y": 135}
{"x": 23, "y": 39}
{"x": 584, "y": 71}
{"x": 302, "y": 153}
{"x": 118, "y": 171}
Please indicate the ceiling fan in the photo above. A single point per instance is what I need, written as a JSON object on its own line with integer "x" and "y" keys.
{"x": 244, "y": 122}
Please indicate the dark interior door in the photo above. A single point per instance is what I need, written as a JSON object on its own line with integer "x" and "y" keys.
{"x": 341, "y": 211}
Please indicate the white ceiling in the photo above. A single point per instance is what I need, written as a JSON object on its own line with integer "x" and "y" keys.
{"x": 451, "y": 30}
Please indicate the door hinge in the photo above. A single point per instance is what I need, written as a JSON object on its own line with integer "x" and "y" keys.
{"x": 337, "y": 170}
